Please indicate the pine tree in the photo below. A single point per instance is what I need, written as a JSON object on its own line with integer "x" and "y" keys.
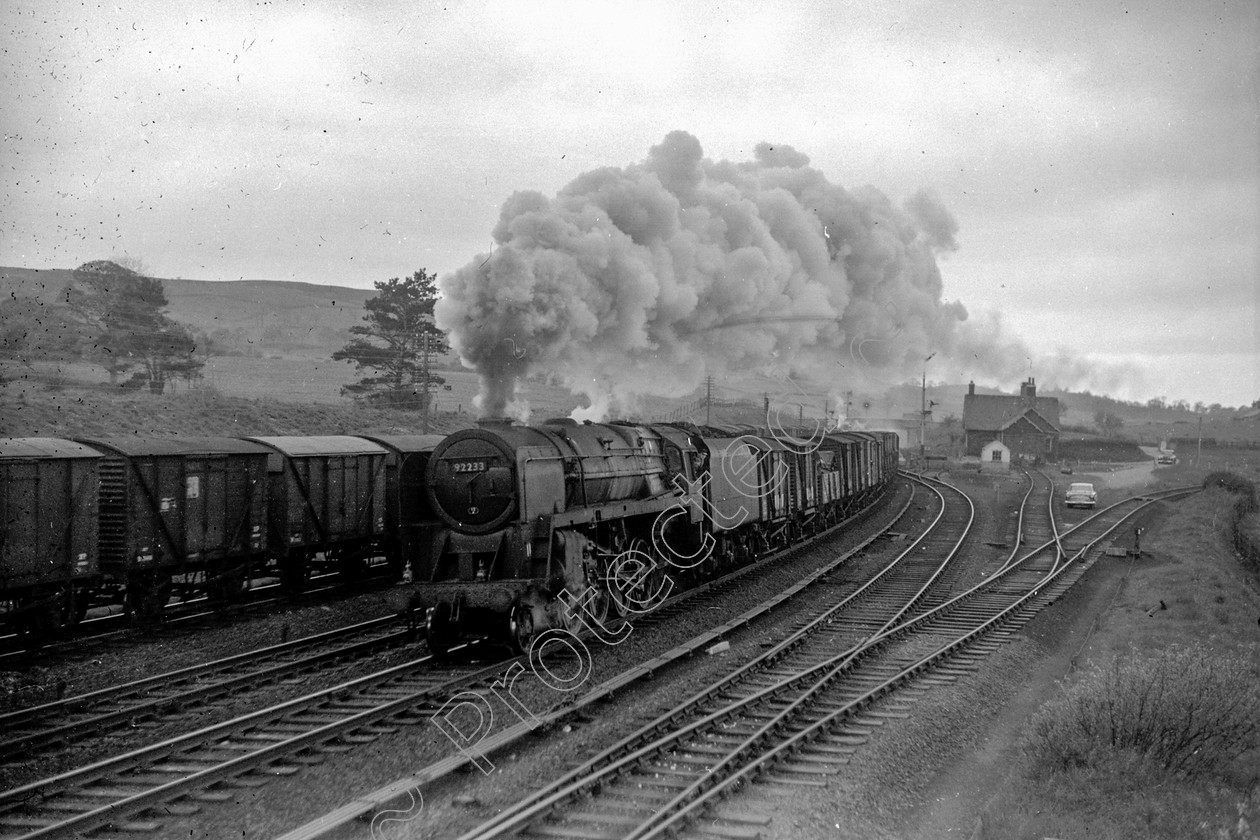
{"x": 123, "y": 327}
{"x": 399, "y": 341}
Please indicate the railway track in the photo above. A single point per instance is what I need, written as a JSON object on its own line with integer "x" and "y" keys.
{"x": 796, "y": 722}
{"x": 188, "y": 690}
{"x": 117, "y": 628}
{"x": 182, "y": 774}
{"x": 903, "y": 581}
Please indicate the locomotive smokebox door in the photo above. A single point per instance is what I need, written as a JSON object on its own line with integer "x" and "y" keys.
{"x": 471, "y": 483}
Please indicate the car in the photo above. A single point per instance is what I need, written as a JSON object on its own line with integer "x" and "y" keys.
{"x": 1166, "y": 458}
{"x": 1080, "y": 494}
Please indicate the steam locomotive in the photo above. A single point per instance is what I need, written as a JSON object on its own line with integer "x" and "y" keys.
{"x": 547, "y": 526}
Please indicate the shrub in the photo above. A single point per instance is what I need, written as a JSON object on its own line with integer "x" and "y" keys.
{"x": 1190, "y": 710}
{"x": 1234, "y": 483}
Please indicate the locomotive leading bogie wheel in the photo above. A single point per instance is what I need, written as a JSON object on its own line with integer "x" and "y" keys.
{"x": 439, "y": 631}
{"x": 521, "y": 627}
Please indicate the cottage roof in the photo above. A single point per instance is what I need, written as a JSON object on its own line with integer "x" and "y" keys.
{"x": 994, "y": 412}
{"x": 1034, "y": 418}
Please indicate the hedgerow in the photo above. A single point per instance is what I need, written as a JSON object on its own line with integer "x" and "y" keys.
{"x": 1191, "y": 711}
{"x": 1243, "y": 528}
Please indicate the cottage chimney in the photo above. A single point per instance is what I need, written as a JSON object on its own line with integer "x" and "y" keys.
{"x": 1028, "y": 392}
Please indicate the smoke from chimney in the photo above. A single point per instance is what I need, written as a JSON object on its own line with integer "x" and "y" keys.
{"x": 643, "y": 279}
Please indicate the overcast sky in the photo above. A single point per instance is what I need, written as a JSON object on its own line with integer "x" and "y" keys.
{"x": 1101, "y": 159}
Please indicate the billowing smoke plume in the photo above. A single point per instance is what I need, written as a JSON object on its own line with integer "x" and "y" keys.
{"x": 642, "y": 280}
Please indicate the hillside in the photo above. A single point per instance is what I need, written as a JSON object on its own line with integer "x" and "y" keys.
{"x": 275, "y": 339}
{"x": 250, "y": 317}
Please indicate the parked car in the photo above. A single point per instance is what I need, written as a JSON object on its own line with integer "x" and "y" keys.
{"x": 1081, "y": 494}
{"x": 1166, "y": 458}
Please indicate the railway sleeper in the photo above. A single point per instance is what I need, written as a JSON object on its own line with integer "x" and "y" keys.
{"x": 668, "y": 767}
{"x": 115, "y": 792}
{"x": 635, "y": 795}
{"x": 826, "y": 754}
{"x": 335, "y": 748}
{"x": 281, "y": 769}
{"x": 211, "y": 796}
{"x": 179, "y": 769}
{"x": 177, "y": 809}
{"x": 144, "y": 781}
{"x": 68, "y": 805}
{"x": 576, "y": 833}
{"x": 705, "y": 828}
{"x": 724, "y": 812}
{"x": 307, "y": 758}
{"x": 775, "y": 779}
{"x": 137, "y": 826}
{"x": 624, "y": 819}
{"x": 219, "y": 746}
{"x": 674, "y": 781}
{"x": 713, "y": 748}
{"x": 807, "y": 766}
{"x": 359, "y": 738}
{"x": 839, "y": 741}
{"x": 247, "y": 781}
{"x": 699, "y": 760}
{"x": 954, "y": 671}
{"x": 21, "y": 821}
{"x": 297, "y": 727}
{"x": 264, "y": 737}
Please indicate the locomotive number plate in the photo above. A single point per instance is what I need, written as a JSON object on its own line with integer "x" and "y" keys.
{"x": 468, "y": 466}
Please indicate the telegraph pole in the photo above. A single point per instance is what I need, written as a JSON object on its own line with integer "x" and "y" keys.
{"x": 1199, "y": 453}
{"x": 426, "y": 381}
{"x": 708, "y": 400}
{"x": 424, "y": 396}
{"x": 923, "y": 417}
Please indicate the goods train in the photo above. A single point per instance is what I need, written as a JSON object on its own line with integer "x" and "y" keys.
{"x": 505, "y": 529}
{"x": 131, "y": 520}
{"x": 546, "y": 526}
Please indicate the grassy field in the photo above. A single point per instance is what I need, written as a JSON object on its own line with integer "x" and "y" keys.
{"x": 241, "y": 395}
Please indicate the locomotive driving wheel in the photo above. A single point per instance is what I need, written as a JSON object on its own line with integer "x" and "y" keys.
{"x": 635, "y": 579}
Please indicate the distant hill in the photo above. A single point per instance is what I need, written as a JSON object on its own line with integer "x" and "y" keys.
{"x": 251, "y": 317}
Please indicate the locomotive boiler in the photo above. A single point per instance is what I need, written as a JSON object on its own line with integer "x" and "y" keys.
{"x": 531, "y": 512}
